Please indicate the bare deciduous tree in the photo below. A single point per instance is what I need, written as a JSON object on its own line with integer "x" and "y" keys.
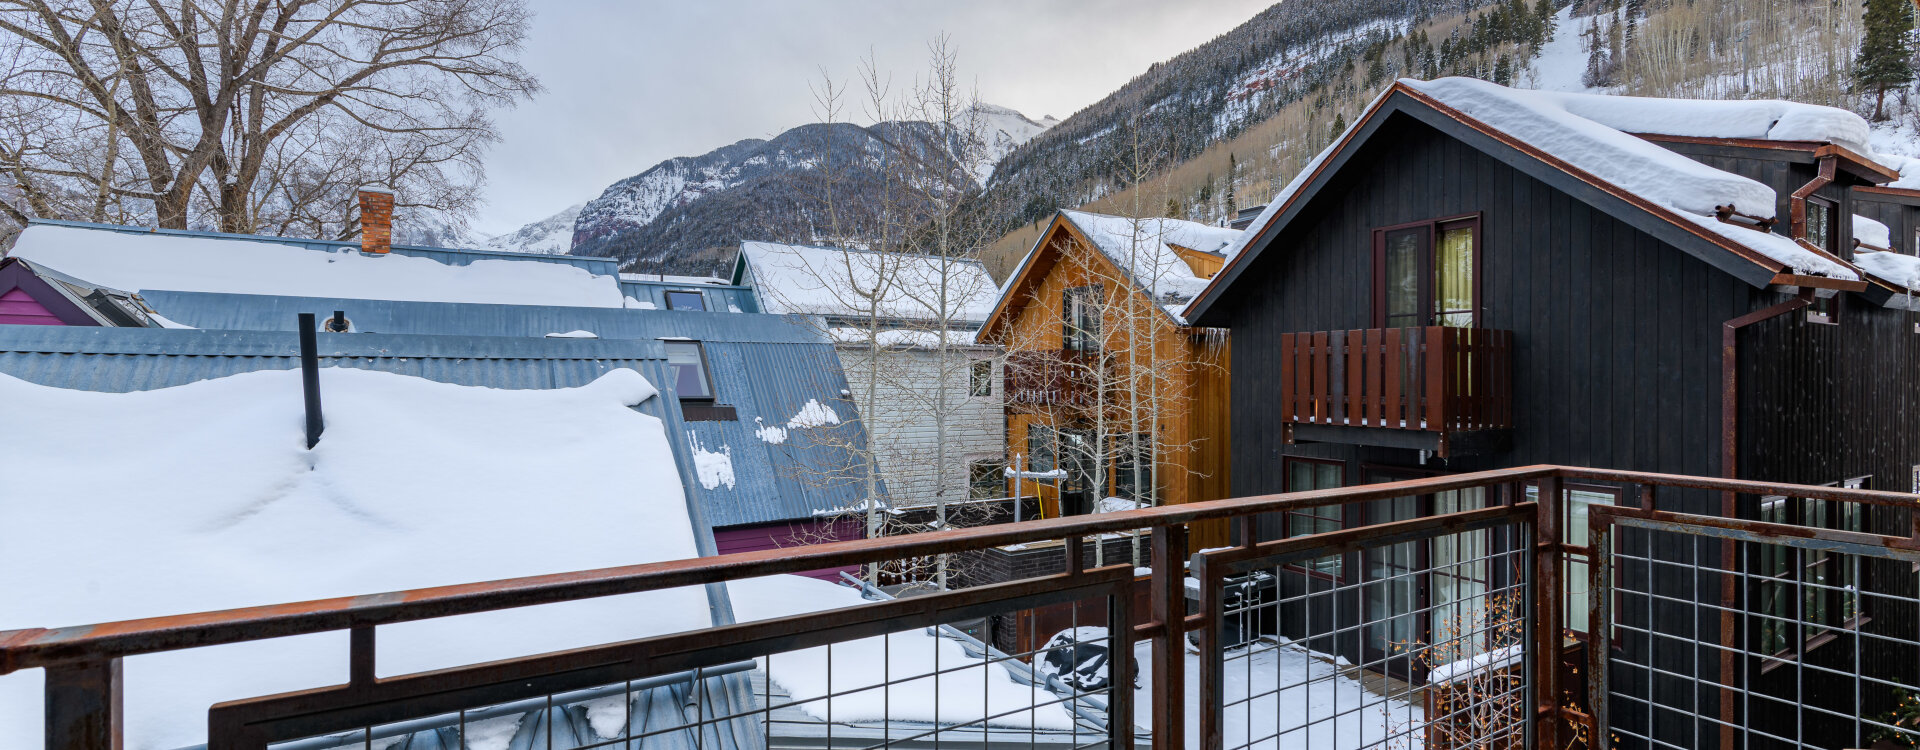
{"x": 896, "y": 283}
{"x": 251, "y": 115}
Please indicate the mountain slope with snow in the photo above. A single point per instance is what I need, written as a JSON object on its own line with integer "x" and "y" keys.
{"x": 685, "y": 215}
{"x": 549, "y": 236}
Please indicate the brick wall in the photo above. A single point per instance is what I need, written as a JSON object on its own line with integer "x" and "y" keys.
{"x": 376, "y": 220}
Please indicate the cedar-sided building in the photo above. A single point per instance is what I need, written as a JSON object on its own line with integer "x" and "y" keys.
{"x": 1105, "y": 380}
{"x": 1473, "y": 277}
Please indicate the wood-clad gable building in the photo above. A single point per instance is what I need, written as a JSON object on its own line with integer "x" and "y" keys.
{"x": 1105, "y": 381}
{"x": 1438, "y": 293}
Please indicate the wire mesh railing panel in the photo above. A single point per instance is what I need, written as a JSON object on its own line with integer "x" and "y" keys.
{"x": 1408, "y": 635}
{"x": 1724, "y": 633}
{"x": 882, "y": 674}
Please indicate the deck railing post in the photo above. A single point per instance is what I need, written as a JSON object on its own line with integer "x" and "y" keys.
{"x": 1169, "y": 604}
{"x": 1549, "y": 597}
{"x": 84, "y": 703}
{"x": 1599, "y": 626}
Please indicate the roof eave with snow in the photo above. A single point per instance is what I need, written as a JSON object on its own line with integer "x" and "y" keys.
{"x": 1723, "y": 246}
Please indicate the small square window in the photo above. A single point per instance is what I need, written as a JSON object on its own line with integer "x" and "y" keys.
{"x": 981, "y": 381}
{"x": 986, "y": 479}
{"x": 689, "y": 364}
{"x": 682, "y": 300}
{"x": 1825, "y": 311}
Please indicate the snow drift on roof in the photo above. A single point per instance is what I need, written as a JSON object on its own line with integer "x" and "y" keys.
{"x": 805, "y": 280}
{"x": 1871, "y": 232}
{"x": 1898, "y": 268}
{"x": 1143, "y": 249}
{"x": 203, "y": 497}
{"x": 1561, "y": 125}
{"x": 138, "y": 262}
{"x": 968, "y": 690}
{"x": 1769, "y": 119}
{"x": 1547, "y": 121}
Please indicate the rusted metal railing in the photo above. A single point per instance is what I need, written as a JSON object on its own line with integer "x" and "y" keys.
{"x": 83, "y": 663}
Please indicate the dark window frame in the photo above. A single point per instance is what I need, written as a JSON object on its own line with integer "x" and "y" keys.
{"x": 980, "y": 378}
{"x": 1341, "y": 517}
{"x": 1831, "y": 242}
{"x": 1079, "y": 331}
{"x": 706, "y": 373}
{"x": 671, "y": 293}
{"x": 1428, "y": 272}
{"x": 980, "y": 471}
{"x": 1577, "y": 554}
{"x": 1851, "y": 615}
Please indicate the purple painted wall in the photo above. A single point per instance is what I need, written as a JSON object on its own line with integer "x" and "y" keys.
{"x": 777, "y": 535}
{"x": 19, "y": 308}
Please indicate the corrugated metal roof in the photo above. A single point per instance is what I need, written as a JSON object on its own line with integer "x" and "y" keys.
{"x": 719, "y": 297}
{"x": 255, "y": 312}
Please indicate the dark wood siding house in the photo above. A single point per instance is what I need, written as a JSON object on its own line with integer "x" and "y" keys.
{"x": 1474, "y": 278}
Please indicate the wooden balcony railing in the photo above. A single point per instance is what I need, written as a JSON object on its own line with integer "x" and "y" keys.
{"x": 1434, "y": 379}
{"x": 1051, "y": 378}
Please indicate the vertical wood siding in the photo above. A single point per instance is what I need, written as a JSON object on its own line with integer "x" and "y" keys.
{"x": 1617, "y": 342}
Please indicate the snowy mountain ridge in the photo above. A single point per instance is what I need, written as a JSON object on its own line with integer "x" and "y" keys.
{"x": 549, "y": 236}
{"x": 663, "y": 202}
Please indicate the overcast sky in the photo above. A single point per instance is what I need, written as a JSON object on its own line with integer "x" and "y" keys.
{"x": 630, "y": 84}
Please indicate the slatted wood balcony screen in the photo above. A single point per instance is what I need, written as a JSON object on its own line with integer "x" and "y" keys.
{"x": 1437, "y": 378}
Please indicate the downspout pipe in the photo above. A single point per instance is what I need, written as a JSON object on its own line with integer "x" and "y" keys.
{"x": 1729, "y": 462}
{"x": 1797, "y": 207}
{"x": 1730, "y": 414}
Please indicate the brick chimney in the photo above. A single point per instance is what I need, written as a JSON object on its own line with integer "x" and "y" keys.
{"x": 376, "y": 219}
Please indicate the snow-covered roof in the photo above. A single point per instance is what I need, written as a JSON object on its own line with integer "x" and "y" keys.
{"x": 1898, "y": 268}
{"x": 1590, "y": 132}
{"x": 807, "y": 280}
{"x": 909, "y": 338}
{"x": 259, "y": 265}
{"x": 204, "y": 497}
{"x": 1144, "y": 250}
{"x": 657, "y": 278}
{"x": 1870, "y": 232}
{"x": 1595, "y": 133}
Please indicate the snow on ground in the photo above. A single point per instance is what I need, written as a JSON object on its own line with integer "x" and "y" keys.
{"x": 1301, "y": 701}
{"x": 1871, "y": 232}
{"x": 962, "y": 694}
{"x": 1896, "y": 143}
{"x": 804, "y": 280}
{"x": 140, "y": 262}
{"x": 1562, "y": 62}
{"x": 203, "y": 497}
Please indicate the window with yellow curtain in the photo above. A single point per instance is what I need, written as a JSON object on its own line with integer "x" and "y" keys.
{"x": 1453, "y": 271}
